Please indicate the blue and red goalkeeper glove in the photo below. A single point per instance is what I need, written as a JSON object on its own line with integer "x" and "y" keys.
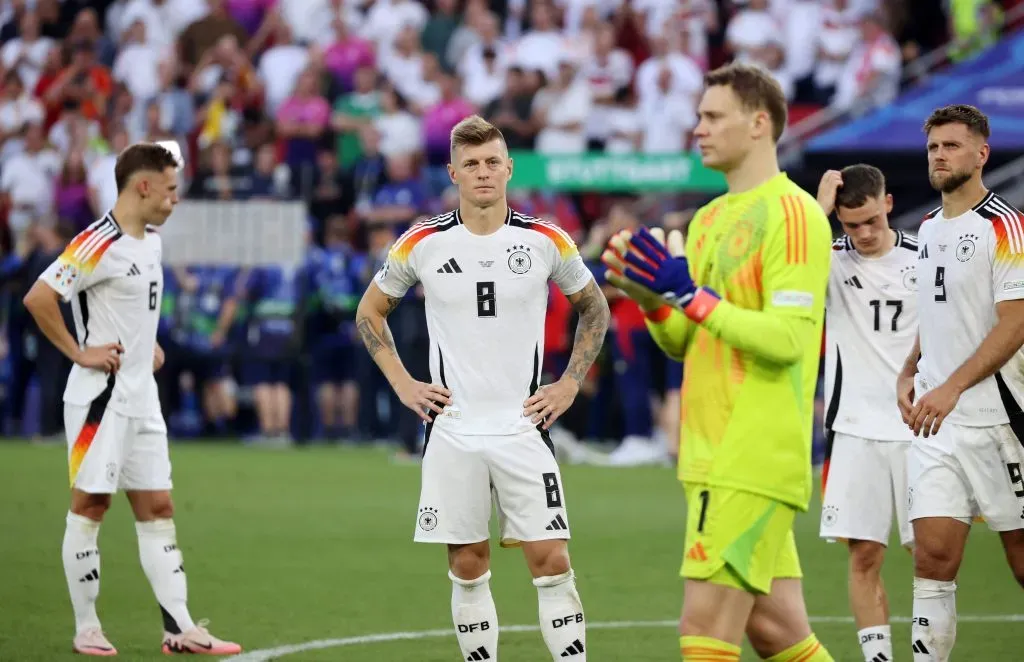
{"x": 652, "y": 266}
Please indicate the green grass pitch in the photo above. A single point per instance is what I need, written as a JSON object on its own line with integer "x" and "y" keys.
{"x": 295, "y": 546}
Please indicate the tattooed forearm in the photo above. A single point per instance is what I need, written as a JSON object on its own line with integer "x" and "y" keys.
{"x": 376, "y": 340}
{"x": 592, "y": 308}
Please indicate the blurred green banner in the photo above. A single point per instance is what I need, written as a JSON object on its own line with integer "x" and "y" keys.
{"x": 597, "y": 171}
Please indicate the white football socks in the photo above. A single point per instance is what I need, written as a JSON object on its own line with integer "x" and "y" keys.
{"x": 82, "y": 569}
{"x": 162, "y": 563}
{"x": 876, "y": 643}
{"x": 934, "y": 628}
{"x": 561, "y": 617}
{"x": 475, "y": 618}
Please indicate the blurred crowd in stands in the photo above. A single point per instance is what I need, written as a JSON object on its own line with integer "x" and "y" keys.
{"x": 347, "y": 105}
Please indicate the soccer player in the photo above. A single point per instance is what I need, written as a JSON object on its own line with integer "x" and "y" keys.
{"x": 870, "y": 326}
{"x": 960, "y": 388}
{"x": 484, "y": 269}
{"x": 744, "y": 310}
{"x": 117, "y": 438}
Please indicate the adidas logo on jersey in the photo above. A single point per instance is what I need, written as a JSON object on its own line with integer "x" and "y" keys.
{"x": 479, "y": 654}
{"x": 450, "y": 267}
{"x": 919, "y": 647}
{"x": 93, "y": 576}
{"x": 134, "y": 271}
{"x": 923, "y": 254}
{"x": 557, "y": 524}
{"x": 854, "y": 282}
{"x": 575, "y": 648}
{"x": 881, "y": 657}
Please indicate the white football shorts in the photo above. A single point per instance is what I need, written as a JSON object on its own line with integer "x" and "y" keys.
{"x": 865, "y": 487}
{"x": 463, "y": 474}
{"x": 966, "y": 472}
{"x": 108, "y": 451}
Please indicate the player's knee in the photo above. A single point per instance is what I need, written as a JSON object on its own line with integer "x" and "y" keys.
{"x": 935, "y": 561}
{"x": 549, "y": 560}
{"x": 92, "y": 506}
{"x": 469, "y": 561}
{"x": 866, "y": 558}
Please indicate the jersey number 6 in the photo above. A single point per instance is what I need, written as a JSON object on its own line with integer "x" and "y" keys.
{"x": 152, "y": 295}
{"x": 485, "y": 299}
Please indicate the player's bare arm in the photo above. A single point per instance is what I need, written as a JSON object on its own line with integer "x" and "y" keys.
{"x": 42, "y": 303}
{"x": 905, "y": 381}
{"x": 371, "y": 321}
{"x": 828, "y": 187}
{"x": 158, "y": 357}
{"x": 998, "y": 347}
{"x": 551, "y": 400}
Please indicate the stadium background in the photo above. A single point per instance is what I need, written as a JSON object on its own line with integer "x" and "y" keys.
{"x": 314, "y": 132}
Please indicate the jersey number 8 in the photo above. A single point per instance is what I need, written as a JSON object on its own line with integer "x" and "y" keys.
{"x": 485, "y": 300}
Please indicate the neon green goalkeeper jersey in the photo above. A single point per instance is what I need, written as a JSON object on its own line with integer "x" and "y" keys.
{"x": 751, "y": 365}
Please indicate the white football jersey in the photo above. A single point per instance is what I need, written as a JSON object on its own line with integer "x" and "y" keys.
{"x": 115, "y": 283}
{"x": 486, "y": 300}
{"x": 966, "y": 265}
{"x": 870, "y": 327}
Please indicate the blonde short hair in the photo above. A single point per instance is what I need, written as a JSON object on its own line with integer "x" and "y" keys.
{"x": 474, "y": 131}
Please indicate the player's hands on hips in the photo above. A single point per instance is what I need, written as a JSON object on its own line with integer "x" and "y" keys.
{"x": 550, "y": 401}
{"x": 933, "y": 408}
{"x": 905, "y": 396}
{"x": 423, "y": 398}
{"x": 828, "y": 187}
{"x": 158, "y": 358}
{"x": 103, "y": 357}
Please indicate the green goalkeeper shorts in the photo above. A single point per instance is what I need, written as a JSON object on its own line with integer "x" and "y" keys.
{"x": 738, "y": 539}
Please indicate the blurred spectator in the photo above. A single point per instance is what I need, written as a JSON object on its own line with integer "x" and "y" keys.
{"x": 838, "y": 37}
{"x": 440, "y": 118}
{"x": 367, "y": 173}
{"x": 407, "y": 68}
{"x": 271, "y": 295}
{"x": 347, "y": 54}
{"x": 625, "y": 125}
{"x": 687, "y": 79}
{"x": 102, "y": 184}
{"x": 353, "y": 111}
{"x": 53, "y": 68}
{"x": 250, "y": 14}
{"x": 388, "y": 18}
{"x": 72, "y": 193}
{"x": 85, "y": 27}
{"x": 439, "y": 28}
{"x": 28, "y": 182}
{"x": 301, "y": 122}
{"x": 280, "y": 66}
{"x": 751, "y": 29}
{"x": 401, "y": 132}
{"x": 27, "y": 52}
{"x": 75, "y": 130}
{"x": 335, "y": 287}
{"x": 608, "y": 71}
{"x": 204, "y": 32}
{"x": 512, "y": 111}
{"x": 136, "y": 66}
{"x": 84, "y": 80}
{"x": 484, "y": 81}
{"x": 541, "y": 47}
{"x": 667, "y": 116}
{"x": 218, "y": 118}
{"x": 218, "y": 178}
{"x": 270, "y": 180}
{"x": 329, "y": 197}
{"x": 803, "y": 18}
{"x": 561, "y": 109}
{"x": 17, "y": 109}
{"x": 974, "y": 25}
{"x": 402, "y": 198}
{"x": 871, "y": 77}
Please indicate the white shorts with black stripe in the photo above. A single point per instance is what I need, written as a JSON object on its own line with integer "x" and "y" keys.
{"x": 968, "y": 472}
{"x": 463, "y": 474}
{"x": 108, "y": 451}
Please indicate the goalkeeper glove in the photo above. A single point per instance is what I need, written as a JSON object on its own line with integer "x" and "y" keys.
{"x": 653, "y": 267}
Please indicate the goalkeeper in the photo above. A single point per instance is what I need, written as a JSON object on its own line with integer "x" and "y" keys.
{"x": 744, "y": 311}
